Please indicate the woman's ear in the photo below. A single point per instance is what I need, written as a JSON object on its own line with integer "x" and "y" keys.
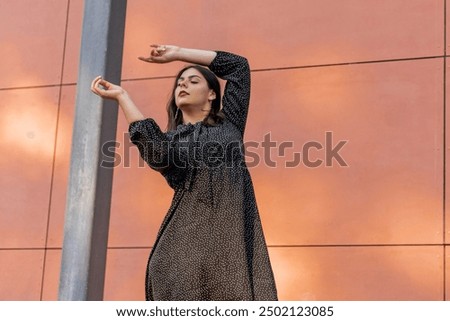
{"x": 212, "y": 95}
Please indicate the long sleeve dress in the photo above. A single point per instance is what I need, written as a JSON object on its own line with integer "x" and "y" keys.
{"x": 210, "y": 245}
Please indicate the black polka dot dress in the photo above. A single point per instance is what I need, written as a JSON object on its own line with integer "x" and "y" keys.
{"x": 210, "y": 245}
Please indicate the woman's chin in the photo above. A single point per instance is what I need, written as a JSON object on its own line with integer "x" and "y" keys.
{"x": 182, "y": 103}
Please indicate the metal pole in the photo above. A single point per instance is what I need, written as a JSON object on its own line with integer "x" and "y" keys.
{"x": 89, "y": 188}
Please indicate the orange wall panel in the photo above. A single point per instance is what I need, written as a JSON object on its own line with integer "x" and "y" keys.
{"x": 27, "y": 129}
{"x": 61, "y": 166}
{"x": 286, "y": 33}
{"x": 32, "y": 47}
{"x": 447, "y": 19}
{"x": 390, "y": 116}
{"x": 50, "y": 285}
{"x": 447, "y": 273}
{"x": 73, "y": 41}
{"x": 21, "y": 274}
{"x": 125, "y": 274}
{"x": 358, "y": 273}
{"x": 447, "y": 169}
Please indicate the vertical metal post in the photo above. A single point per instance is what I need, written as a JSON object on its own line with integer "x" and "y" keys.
{"x": 90, "y": 184}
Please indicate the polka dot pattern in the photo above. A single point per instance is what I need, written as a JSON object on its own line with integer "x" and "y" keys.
{"x": 210, "y": 245}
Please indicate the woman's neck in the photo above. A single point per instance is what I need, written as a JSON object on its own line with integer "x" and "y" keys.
{"x": 194, "y": 116}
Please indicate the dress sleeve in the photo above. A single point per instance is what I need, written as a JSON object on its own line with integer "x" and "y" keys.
{"x": 236, "y": 71}
{"x": 152, "y": 143}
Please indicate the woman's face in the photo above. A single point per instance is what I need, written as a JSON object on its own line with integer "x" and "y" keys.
{"x": 192, "y": 90}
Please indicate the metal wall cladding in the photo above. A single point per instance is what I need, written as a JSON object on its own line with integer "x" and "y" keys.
{"x": 368, "y": 73}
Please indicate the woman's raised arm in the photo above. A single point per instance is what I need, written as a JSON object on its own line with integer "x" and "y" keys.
{"x": 168, "y": 53}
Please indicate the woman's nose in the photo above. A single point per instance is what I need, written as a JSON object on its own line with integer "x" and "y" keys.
{"x": 182, "y": 83}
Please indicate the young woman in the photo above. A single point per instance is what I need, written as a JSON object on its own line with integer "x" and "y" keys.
{"x": 210, "y": 245}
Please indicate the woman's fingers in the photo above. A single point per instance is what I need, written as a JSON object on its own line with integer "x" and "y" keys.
{"x": 93, "y": 83}
{"x": 156, "y": 54}
{"x": 147, "y": 59}
{"x": 105, "y": 89}
{"x": 106, "y": 85}
{"x": 158, "y": 48}
{"x": 95, "y": 86}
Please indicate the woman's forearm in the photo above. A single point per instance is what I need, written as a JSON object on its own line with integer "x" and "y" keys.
{"x": 130, "y": 110}
{"x": 196, "y": 56}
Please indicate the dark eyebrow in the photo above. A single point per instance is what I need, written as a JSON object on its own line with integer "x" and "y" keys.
{"x": 190, "y": 77}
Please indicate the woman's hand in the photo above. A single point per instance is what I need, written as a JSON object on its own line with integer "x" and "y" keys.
{"x": 105, "y": 89}
{"x": 162, "y": 54}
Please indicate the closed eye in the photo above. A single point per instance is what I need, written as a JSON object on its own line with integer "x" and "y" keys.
{"x": 194, "y": 79}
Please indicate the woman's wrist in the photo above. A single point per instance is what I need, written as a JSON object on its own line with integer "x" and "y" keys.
{"x": 123, "y": 96}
